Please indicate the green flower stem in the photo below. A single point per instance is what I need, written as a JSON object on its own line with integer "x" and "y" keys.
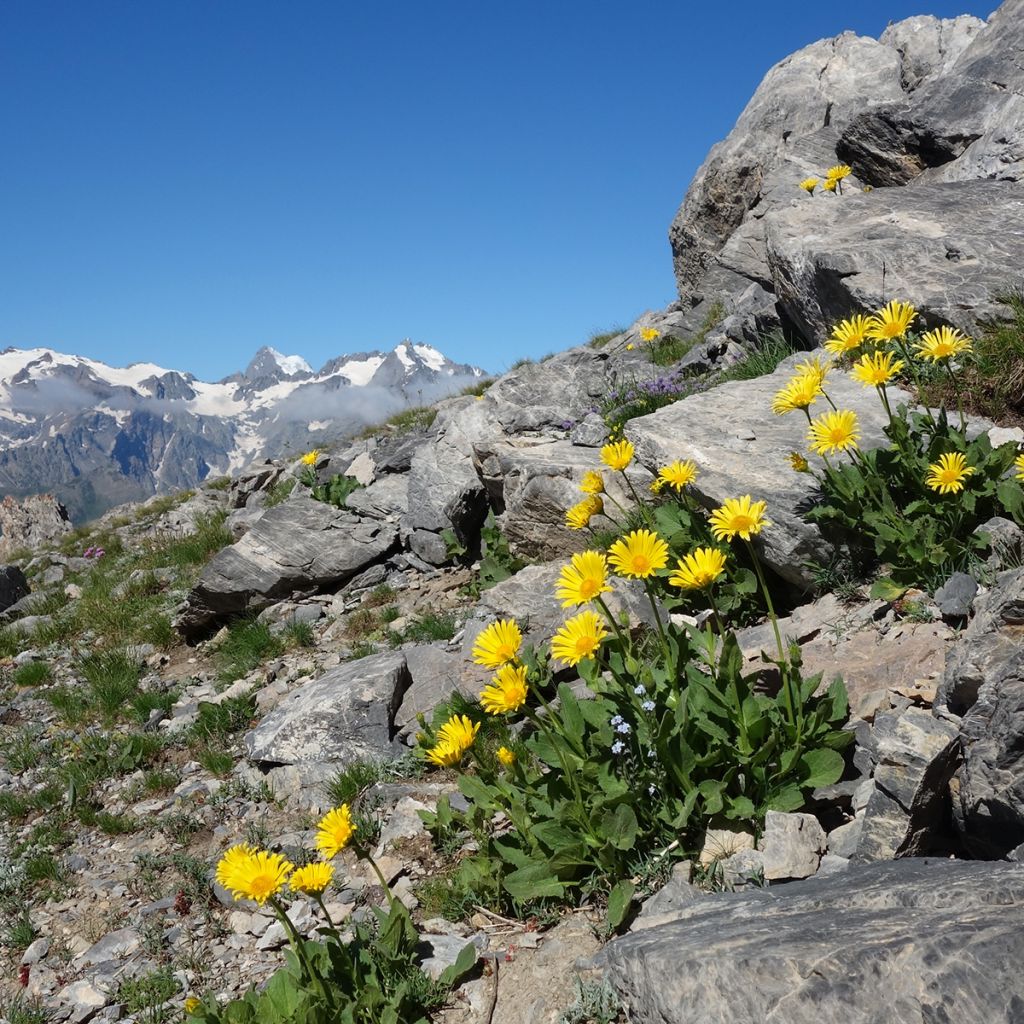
{"x": 714, "y": 611}
{"x": 319, "y": 898}
{"x": 626, "y": 644}
{"x": 885, "y": 401}
{"x": 902, "y": 343}
{"x": 298, "y": 945}
{"x": 380, "y": 876}
{"x": 617, "y": 504}
{"x": 744, "y": 738}
{"x": 642, "y": 506}
{"x": 959, "y": 397}
{"x": 657, "y": 619}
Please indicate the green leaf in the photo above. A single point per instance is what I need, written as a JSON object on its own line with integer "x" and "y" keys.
{"x": 886, "y": 589}
{"x": 463, "y": 964}
{"x": 619, "y": 827}
{"x": 534, "y": 881}
{"x": 789, "y": 798}
{"x": 474, "y": 788}
{"x": 619, "y": 900}
{"x": 572, "y": 720}
{"x": 821, "y": 767}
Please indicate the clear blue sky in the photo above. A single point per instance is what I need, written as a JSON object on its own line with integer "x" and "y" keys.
{"x": 184, "y": 181}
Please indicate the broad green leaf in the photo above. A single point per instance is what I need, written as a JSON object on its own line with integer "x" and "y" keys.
{"x": 886, "y": 589}
{"x": 619, "y": 900}
{"x": 619, "y": 827}
{"x": 532, "y": 882}
{"x": 821, "y": 767}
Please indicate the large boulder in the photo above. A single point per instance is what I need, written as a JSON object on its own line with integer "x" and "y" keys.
{"x": 949, "y": 249}
{"x": 910, "y": 941}
{"x": 31, "y": 522}
{"x": 13, "y": 586}
{"x": 348, "y": 714}
{"x": 984, "y": 683}
{"x": 740, "y": 448}
{"x": 299, "y": 547}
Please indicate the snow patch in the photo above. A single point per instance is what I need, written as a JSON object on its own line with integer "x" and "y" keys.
{"x": 290, "y": 364}
{"x": 318, "y": 425}
{"x": 430, "y": 356}
{"x": 360, "y": 371}
{"x": 402, "y": 351}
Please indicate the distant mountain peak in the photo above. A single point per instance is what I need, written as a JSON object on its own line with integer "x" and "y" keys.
{"x": 268, "y": 362}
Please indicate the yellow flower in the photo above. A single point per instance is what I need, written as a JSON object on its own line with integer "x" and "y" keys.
{"x": 698, "y": 570}
{"x": 498, "y": 644}
{"x": 191, "y": 1004}
{"x": 593, "y": 482}
{"x": 947, "y": 476}
{"x": 578, "y": 517}
{"x": 583, "y": 579}
{"x": 799, "y": 393}
{"x": 738, "y": 517}
{"x": 942, "y": 343}
{"x": 454, "y": 738}
{"x": 892, "y": 321}
{"x": 639, "y": 554}
{"x": 678, "y": 474}
{"x": 799, "y": 463}
{"x": 617, "y": 455}
{"x": 829, "y": 184}
{"x": 876, "y": 368}
{"x": 848, "y": 335}
{"x": 630, "y": 346}
{"x": 839, "y": 172}
{"x": 506, "y": 757}
{"x": 813, "y": 369}
{"x": 579, "y": 638}
{"x": 834, "y": 432}
{"x": 335, "y": 831}
{"x": 253, "y": 874}
{"x": 506, "y": 692}
{"x": 656, "y": 486}
{"x": 649, "y": 334}
{"x": 1018, "y": 465}
{"x": 309, "y": 459}
{"x": 809, "y": 185}
{"x": 312, "y": 879}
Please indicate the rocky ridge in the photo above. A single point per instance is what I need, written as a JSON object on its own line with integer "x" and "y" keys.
{"x": 911, "y": 905}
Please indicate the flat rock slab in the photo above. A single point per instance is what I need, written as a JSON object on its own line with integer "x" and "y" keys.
{"x": 300, "y": 546}
{"x": 913, "y": 941}
{"x": 740, "y": 447}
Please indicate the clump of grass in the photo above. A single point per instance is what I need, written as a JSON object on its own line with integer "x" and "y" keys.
{"x": 419, "y": 417}
{"x": 192, "y": 549}
{"x": 299, "y": 634}
{"x": 477, "y": 389}
{"x": 22, "y": 750}
{"x": 112, "y": 681}
{"x": 669, "y": 349}
{"x": 380, "y": 595}
{"x": 145, "y": 996}
{"x": 760, "y": 361}
{"x": 215, "y": 760}
{"x": 19, "y": 1010}
{"x": 601, "y": 338}
{"x": 21, "y": 933}
{"x": 248, "y": 645}
{"x": 216, "y": 722}
{"x": 361, "y": 649}
{"x": 220, "y": 483}
{"x": 280, "y": 491}
{"x": 447, "y": 896}
{"x": 32, "y": 673}
{"x": 431, "y": 626}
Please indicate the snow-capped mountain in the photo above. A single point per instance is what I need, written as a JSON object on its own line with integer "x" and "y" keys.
{"x": 98, "y": 435}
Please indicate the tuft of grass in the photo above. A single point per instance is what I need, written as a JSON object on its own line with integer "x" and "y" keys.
{"x": 43, "y": 867}
{"x": 352, "y": 781}
{"x": 216, "y": 722}
{"x": 477, "y": 389}
{"x": 760, "y": 361}
{"x": 146, "y": 995}
{"x": 19, "y": 1010}
{"x": 601, "y": 338}
{"x": 447, "y": 896}
{"x": 299, "y": 634}
{"x": 248, "y": 644}
{"x": 193, "y": 549}
{"x": 431, "y": 626}
{"x": 112, "y": 680}
{"x": 280, "y": 491}
{"x": 32, "y": 673}
{"x": 221, "y": 483}
{"x": 420, "y": 417}
{"x": 22, "y": 932}
{"x": 215, "y": 760}
{"x": 361, "y": 649}
{"x": 22, "y": 750}
{"x": 380, "y": 595}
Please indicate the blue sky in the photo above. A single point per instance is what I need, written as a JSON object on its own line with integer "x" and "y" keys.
{"x": 185, "y": 181}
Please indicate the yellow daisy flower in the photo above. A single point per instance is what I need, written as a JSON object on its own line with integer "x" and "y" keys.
{"x": 578, "y": 517}
{"x": 848, "y": 335}
{"x": 498, "y": 644}
{"x": 839, "y": 172}
{"x": 255, "y": 875}
{"x": 875, "y": 369}
{"x": 335, "y": 831}
{"x": 830, "y": 184}
{"x": 657, "y": 486}
{"x": 799, "y": 393}
{"x": 506, "y": 692}
{"x": 738, "y": 517}
{"x": 454, "y": 738}
{"x": 1018, "y": 465}
{"x": 649, "y": 334}
{"x": 639, "y": 554}
{"x": 630, "y": 346}
{"x": 834, "y": 432}
{"x": 678, "y": 474}
{"x": 579, "y": 638}
{"x": 506, "y": 757}
{"x": 617, "y": 455}
{"x": 809, "y": 185}
{"x": 583, "y": 579}
{"x": 593, "y": 482}
{"x": 311, "y": 879}
{"x": 948, "y": 475}
{"x": 698, "y": 570}
{"x": 942, "y": 343}
{"x": 891, "y": 321}
{"x": 799, "y": 463}
{"x": 233, "y": 859}
{"x": 190, "y": 1004}
{"x": 813, "y": 369}
{"x": 309, "y": 459}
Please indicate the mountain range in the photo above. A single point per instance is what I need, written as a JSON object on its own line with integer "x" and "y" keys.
{"x": 97, "y": 435}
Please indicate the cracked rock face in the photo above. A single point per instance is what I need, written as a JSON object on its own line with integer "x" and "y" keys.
{"x": 909, "y": 940}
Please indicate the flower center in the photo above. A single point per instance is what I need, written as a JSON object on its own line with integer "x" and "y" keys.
{"x": 263, "y": 885}
{"x": 641, "y": 564}
{"x": 506, "y": 652}
{"x": 742, "y": 524}
{"x": 585, "y": 645}
{"x": 588, "y": 588}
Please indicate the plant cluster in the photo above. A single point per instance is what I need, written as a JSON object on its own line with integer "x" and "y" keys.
{"x": 371, "y": 977}
{"x": 676, "y": 736}
{"x": 832, "y": 181}
{"x": 916, "y": 503}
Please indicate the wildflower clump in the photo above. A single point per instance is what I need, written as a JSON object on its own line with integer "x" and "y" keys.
{"x": 371, "y": 973}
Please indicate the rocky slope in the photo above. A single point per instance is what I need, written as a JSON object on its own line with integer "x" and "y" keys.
{"x": 98, "y": 435}
{"x": 895, "y": 895}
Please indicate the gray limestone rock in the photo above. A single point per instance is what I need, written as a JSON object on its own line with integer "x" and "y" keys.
{"x": 298, "y": 547}
{"x": 909, "y": 941}
{"x": 956, "y": 596}
{"x": 791, "y": 845}
{"x": 31, "y": 522}
{"x": 740, "y": 448}
{"x": 346, "y": 714}
{"x": 984, "y": 683}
